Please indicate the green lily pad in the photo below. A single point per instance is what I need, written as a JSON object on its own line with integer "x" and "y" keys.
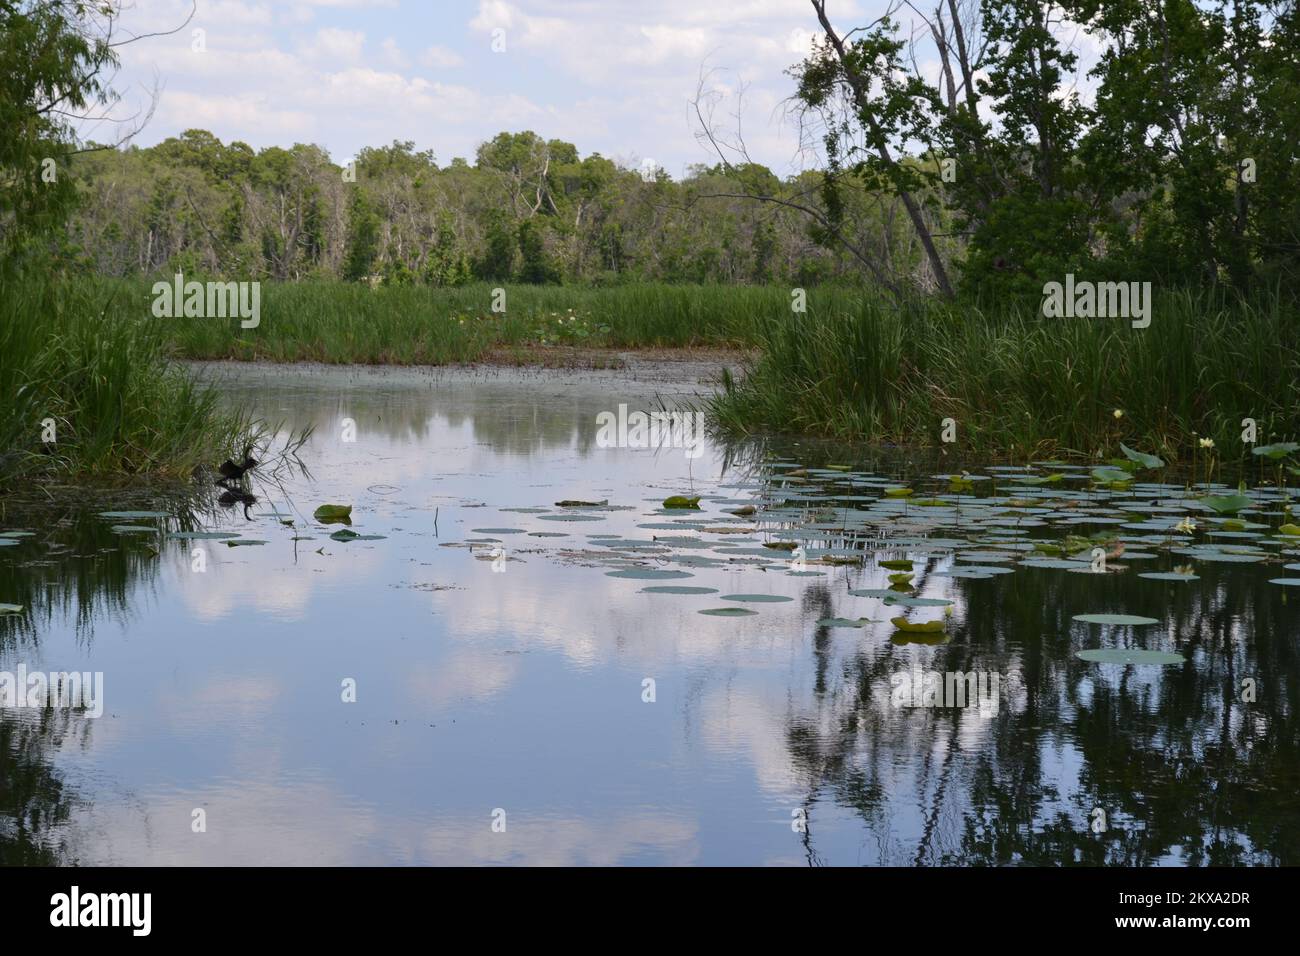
{"x": 677, "y": 589}
{"x": 201, "y": 535}
{"x": 1116, "y": 655}
{"x": 1285, "y": 582}
{"x": 1276, "y": 451}
{"x": 1169, "y": 576}
{"x": 1226, "y": 504}
{"x": 845, "y": 622}
{"x": 1142, "y": 458}
{"x": 571, "y": 503}
{"x": 347, "y": 534}
{"x": 728, "y": 612}
{"x": 327, "y": 513}
{"x": 648, "y": 574}
{"x": 133, "y": 515}
{"x": 903, "y": 600}
{"x": 11, "y": 609}
{"x": 243, "y": 543}
{"x": 1123, "y": 620}
{"x": 27, "y": 534}
{"x": 1110, "y": 475}
{"x": 682, "y": 501}
{"x": 918, "y": 627}
{"x": 496, "y": 530}
{"x": 133, "y": 529}
{"x": 757, "y": 598}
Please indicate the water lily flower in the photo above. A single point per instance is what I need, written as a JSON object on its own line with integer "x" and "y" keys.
{"x": 1207, "y": 442}
{"x": 1118, "y": 413}
{"x": 1186, "y": 526}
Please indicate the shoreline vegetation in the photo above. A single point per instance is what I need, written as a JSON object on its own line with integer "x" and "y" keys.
{"x": 91, "y": 397}
{"x": 854, "y": 367}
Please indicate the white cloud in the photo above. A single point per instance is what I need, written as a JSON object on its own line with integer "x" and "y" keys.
{"x": 392, "y": 54}
{"x": 439, "y": 57}
{"x": 335, "y": 45}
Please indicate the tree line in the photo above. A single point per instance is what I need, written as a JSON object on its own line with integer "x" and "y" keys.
{"x": 527, "y": 209}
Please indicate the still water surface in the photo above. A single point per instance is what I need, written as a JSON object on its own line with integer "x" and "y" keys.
{"x": 771, "y": 739}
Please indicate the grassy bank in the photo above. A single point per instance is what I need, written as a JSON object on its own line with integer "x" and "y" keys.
{"x": 1017, "y": 382}
{"x": 71, "y": 357}
{"x": 853, "y": 366}
{"x": 340, "y": 322}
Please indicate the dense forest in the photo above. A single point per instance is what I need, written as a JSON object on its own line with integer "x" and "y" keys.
{"x": 527, "y": 209}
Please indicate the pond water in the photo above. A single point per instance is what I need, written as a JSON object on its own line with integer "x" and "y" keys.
{"x": 520, "y": 697}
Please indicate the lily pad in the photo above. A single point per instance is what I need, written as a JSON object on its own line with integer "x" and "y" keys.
{"x": 845, "y": 622}
{"x": 326, "y": 513}
{"x": 11, "y": 609}
{"x": 1285, "y": 582}
{"x": 728, "y": 612}
{"x": 347, "y": 534}
{"x": 1142, "y": 458}
{"x": 757, "y": 598}
{"x": 201, "y": 535}
{"x": 1169, "y": 576}
{"x": 1115, "y": 655}
{"x": 918, "y": 627}
{"x": 682, "y": 501}
{"x": 1123, "y": 620}
{"x": 243, "y": 543}
{"x": 648, "y": 574}
{"x": 929, "y": 638}
{"x": 903, "y": 600}
{"x": 1276, "y": 451}
{"x": 1226, "y": 504}
{"x": 570, "y": 503}
{"x": 677, "y": 589}
{"x": 133, "y": 515}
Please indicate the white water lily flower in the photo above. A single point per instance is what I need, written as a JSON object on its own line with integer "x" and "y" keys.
{"x": 1118, "y": 413}
{"x": 1207, "y": 442}
{"x": 1186, "y": 526}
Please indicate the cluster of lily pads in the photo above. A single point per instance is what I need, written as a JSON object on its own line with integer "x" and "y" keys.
{"x": 791, "y": 520}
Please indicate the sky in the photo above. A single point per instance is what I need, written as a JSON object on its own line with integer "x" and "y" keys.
{"x": 610, "y": 76}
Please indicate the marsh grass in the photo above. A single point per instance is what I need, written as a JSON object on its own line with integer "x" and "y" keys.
{"x": 339, "y": 322}
{"x": 1021, "y": 383}
{"x": 71, "y": 352}
{"x": 854, "y": 366}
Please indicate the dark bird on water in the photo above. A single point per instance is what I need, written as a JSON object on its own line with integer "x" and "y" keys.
{"x": 232, "y": 472}
{"x": 234, "y": 496}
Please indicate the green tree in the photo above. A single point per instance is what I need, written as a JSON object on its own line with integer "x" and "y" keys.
{"x": 362, "y": 246}
{"x": 54, "y": 57}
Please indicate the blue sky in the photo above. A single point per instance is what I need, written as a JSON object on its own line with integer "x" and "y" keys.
{"x": 614, "y": 77}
